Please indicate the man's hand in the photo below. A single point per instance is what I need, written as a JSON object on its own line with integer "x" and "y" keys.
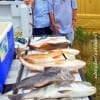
{"x": 73, "y": 23}
{"x": 55, "y": 28}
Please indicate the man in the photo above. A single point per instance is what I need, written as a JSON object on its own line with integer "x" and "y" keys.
{"x": 41, "y": 20}
{"x": 63, "y": 17}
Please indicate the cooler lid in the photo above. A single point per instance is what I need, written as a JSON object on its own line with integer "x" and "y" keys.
{"x": 4, "y": 28}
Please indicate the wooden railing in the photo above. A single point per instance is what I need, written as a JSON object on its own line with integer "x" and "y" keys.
{"x": 89, "y": 14}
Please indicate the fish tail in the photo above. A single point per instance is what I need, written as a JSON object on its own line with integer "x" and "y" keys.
{"x": 15, "y": 97}
{"x": 9, "y": 87}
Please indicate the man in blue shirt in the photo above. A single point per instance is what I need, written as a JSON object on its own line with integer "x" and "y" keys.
{"x": 63, "y": 17}
{"x": 41, "y": 20}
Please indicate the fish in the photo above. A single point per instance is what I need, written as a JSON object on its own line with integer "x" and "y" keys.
{"x": 58, "y": 90}
{"x": 38, "y": 58}
{"x": 48, "y": 43}
{"x": 49, "y": 76}
{"x": 43, "y": 57}
{"x": 50, "y": 40}
{"x": 59, "y": 53}
{"x": 34, "y": 67}
{"x": 69, "y": 64}
{"x": 70, "y": 51}
{"x": 55, "y": 40}
{"x": 47, "y": 47}
{"x": 66, "y": 51}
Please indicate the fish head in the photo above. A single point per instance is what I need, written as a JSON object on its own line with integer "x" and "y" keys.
{"x": 76, "y": 64}
{"x": 83, "y": 88}
{"x": 71, "y": 51}
{"x": 79, "y": 63}
{"x": 76, "y": 89}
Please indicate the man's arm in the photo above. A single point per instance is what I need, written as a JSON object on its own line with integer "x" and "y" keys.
{"x": 54, "y": 24}
{"x": 52, "y": 17}
{"x": 74, "y": 15}
{"x": 74, "y": 12}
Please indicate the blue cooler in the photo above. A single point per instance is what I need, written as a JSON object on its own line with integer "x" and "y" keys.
{"x": 6, "y": 50}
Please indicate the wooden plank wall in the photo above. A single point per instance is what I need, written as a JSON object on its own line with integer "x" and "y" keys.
{"x": 89, "y": 14}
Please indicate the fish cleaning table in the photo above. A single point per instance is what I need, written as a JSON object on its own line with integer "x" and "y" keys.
{"x": 23, "y": 72}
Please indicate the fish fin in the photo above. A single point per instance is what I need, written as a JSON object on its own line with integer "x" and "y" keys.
{"x": 63, "y": 91}
{"x": 8, "y": 87}
{"x": 74, "y": 72}
{"x": 31, "y": 47}
{"x": 47, "y": 68}
{"x": 15, "y": 97}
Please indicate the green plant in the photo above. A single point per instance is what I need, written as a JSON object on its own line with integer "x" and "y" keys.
{"x": 89, "y": 72}
{"x": 89, "y": 75}
{"x": 84, "y": 41}
{"x": 79, "y": 35}
{"x": 83, "y": 36}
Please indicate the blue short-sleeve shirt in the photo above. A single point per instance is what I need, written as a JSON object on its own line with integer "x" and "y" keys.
{"x": 62, "y": 10}
{"x": 40, "y": 14}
